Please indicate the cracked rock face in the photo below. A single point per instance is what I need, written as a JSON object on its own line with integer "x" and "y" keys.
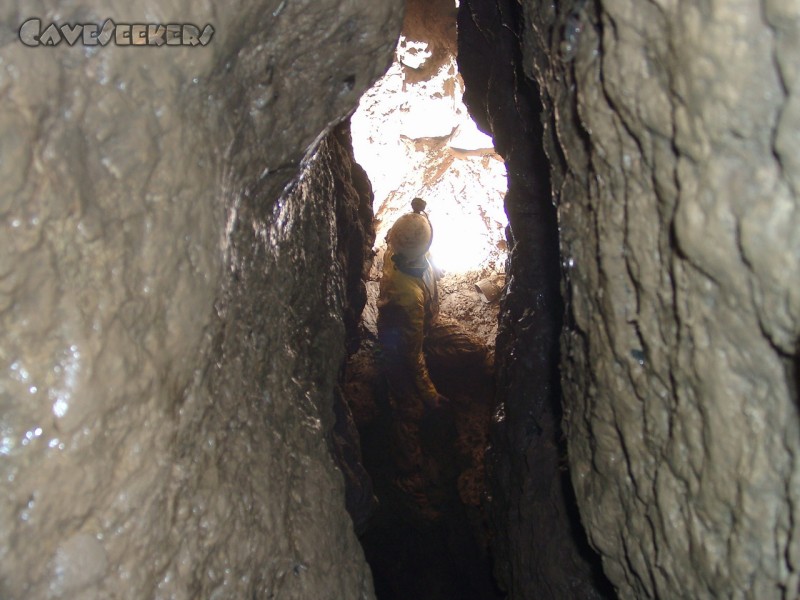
{"x": 164, "y": 404}
{"x": 537, "y": 541}
{"x": 673, "y": 133}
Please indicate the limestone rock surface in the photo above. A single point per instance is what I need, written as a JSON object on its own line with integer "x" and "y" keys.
{"x": 170, "y": 319}
{"x": 538, "y": 544}
{"x": 673, "y": 129}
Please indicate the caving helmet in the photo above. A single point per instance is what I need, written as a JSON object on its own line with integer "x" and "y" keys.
{"x": 412, "y": 234}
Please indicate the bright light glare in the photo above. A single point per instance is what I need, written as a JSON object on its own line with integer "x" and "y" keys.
{"x": 459, "y": 243}
{"x": 416, "y": 138}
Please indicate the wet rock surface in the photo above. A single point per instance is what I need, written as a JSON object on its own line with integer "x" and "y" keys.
{"x": 432, "y": 543}
{"x": 352, "y": 193}
{"x": 174, "y": 319}
{"x": 673, "y": 134}
{"x": 171, "y": 321}
{"x": 539, "y": 549}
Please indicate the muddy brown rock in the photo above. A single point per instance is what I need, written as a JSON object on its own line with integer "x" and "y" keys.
{"x": 670, "y": 133}
{"x": 673, "y": 135}
{"x": 171, "y": 319}
{"x": 538, "y": 545}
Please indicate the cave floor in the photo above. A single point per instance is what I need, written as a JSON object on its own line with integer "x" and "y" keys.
{"x": 433, "y": 547}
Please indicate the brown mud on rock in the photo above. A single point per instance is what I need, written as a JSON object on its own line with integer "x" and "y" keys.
{"x": 164, "y": 405}
{"x": 432, "y": 544}
{"x": 675, "y": 135}
{"x": 667, "y": 207}
{"x": 463, "y": 303}
{"x": 538, "y": 544}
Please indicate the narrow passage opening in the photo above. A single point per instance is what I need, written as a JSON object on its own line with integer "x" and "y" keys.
{"x": 425, "y": 531}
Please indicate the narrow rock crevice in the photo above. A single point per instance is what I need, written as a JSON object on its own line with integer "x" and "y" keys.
{"x": 538, "y": 541}
{"x": 189, "y": 392}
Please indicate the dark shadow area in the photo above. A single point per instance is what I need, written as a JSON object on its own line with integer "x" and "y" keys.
{"x": 793, "y": 375}
{"x": 791, "y": 369}
{"x": 532, "y": 504}
{"x": 430, "y": 544}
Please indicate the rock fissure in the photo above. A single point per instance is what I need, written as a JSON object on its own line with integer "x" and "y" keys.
{"x": 188, "y": 324}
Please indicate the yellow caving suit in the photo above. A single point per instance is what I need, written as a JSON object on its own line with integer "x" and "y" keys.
{"x": 407, "y": 305}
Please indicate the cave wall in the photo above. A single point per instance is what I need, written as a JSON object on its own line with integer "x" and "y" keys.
{"x": 538, "y": 546}
{"x": 172, "y": 321}
{"x": 672, "y": 129}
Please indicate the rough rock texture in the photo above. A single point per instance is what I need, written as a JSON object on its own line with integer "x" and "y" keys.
{"x": 432, "y": 544}
{"x": 171, "y": 329}
{"x": 431, "y": 23}
{"x": 673, "y": 132}
{"x": 539, "y": 548}
{"x": 355, "y": 236}
{"x": 414, "y": 136}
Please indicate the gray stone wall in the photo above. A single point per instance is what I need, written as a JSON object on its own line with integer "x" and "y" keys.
{"x": 538, "y": 544}
{"x": 673, "y": 132}
{"x": 170, "y": 321}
